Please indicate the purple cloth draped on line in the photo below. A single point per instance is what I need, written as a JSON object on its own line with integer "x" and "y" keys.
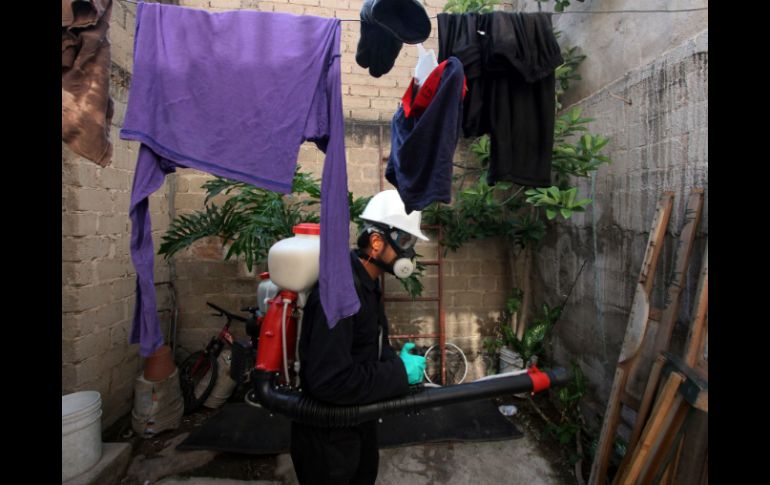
{"x": 235, "y": 94}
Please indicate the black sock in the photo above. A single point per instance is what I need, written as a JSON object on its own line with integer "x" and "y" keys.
{"x": 377, "y": 48}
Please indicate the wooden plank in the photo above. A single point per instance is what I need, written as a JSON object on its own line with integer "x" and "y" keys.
{"x": 695, "y": 388}
{"x": 681, "y": 263}
{"x": 612, "y": 414}
{"x": 694, "y": 449}
{"x": 656, "y": 314}
{"x": 666, "y": 438}
{"x": 702, "y": 403}
{"x": 655, "y": 243}
{"x": 702, "y": 365}
{"x": 630, "y": 400}
{"x": 695, "y": 338}
{"x": 660, "y": 415}
{"x": 667, "y": 477}
{"x": 667, "y": 319}
{"x": 640, "y": 370}
{"x": 670, "y": 311}
{"x": 637, "y": 324}
{"x": 647, "y": 400}
{"x": 673, "y": 468}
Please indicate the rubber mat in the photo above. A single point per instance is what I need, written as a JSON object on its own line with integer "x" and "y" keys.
{"x": 465, "y": 421}
{"x": 241, "y": 428}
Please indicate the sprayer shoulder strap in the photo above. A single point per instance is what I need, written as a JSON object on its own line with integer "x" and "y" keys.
{"x": 357, "y": 283}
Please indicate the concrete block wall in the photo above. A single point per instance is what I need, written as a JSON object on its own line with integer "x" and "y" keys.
{"x": 658, "y": 142}
{"x": 98, "y": 278}
{"x": 618, "y": 42}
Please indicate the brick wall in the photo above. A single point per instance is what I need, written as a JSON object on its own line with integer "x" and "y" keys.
{"x": 98, "y": 278}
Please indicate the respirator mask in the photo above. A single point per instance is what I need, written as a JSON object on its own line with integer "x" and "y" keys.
{"x": 403, "y": 244}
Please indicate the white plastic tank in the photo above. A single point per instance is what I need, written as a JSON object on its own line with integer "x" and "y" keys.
{"x": 293, "y": 263}
{"x": 265, "y": 291}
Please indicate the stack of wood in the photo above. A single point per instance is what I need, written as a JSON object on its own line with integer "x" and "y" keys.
{"x": 669, "y": 438}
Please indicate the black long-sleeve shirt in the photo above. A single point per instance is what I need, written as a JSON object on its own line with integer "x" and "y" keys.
{"x": 341, "y": 365}
{"x": 509, "y": 59}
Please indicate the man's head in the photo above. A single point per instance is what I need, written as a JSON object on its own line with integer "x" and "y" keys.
{"x": 389, "y": 234}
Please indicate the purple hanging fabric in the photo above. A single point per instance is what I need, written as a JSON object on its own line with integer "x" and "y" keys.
{"x": 235, "y": 94}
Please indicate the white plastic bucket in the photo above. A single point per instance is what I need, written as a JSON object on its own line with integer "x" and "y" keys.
{"x": 81, "y": 432}
{"x": 510, "y": 360}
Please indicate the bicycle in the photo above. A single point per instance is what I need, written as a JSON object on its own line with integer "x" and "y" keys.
{"x": 202, "y": 364}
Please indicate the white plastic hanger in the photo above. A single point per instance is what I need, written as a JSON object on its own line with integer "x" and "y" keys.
{"x": 426, "y": 63}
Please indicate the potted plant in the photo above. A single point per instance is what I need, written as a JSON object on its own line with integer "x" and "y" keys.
{"x": 514, "y": 352}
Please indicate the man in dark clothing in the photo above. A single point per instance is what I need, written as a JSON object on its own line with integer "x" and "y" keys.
{"x": 353, "y": 363}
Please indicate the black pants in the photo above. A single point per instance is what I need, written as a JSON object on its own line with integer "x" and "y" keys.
{"x": 335, "y": 456}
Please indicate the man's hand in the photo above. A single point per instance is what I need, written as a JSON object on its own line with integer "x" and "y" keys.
{"x": 415, "y": 364}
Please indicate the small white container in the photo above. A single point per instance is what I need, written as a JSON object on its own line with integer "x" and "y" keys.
{"x": 265, "y": 291}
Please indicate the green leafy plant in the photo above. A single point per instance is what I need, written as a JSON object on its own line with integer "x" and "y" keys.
{"x": 567, "y": 72}
{"x": 251, "y": 220}
{"x": 557, "y": 201}
{"x": 531, "y": 343}
{"x": 480, "y": 211}
{"x": 467, "y": 6}
{"x": 576, "y": 159}
{"x": 569, "y": 397}
{"x": 505, "y": 331}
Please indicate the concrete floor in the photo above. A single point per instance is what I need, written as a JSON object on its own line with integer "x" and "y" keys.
{"x": 477, "y": 463}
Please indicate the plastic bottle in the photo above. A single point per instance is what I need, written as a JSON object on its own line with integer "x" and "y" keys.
{"x": 265, "y": 291}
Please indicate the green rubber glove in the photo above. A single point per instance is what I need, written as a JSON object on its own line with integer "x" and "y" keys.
{"x": 415, "y": 364}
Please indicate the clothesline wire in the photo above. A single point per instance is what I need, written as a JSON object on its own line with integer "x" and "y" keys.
{"x": 135, "y": 2}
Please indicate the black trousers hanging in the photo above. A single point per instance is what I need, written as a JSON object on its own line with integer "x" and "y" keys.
{"x": 335, "y": 456}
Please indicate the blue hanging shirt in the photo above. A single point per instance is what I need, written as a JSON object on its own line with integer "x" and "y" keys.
{"x": 424, "y": 134}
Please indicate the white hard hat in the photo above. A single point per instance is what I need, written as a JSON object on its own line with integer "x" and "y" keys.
{"x": 387, "y": 208}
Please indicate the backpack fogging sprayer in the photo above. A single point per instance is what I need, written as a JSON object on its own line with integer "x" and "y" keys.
{"x": 293, "y": 266}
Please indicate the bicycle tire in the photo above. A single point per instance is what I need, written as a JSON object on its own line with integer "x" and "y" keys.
{"x": 456, "y": 365}
{"x": 191, "y": 376}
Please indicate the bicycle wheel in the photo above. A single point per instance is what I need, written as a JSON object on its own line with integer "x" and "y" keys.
{"x": 197, "y": 376}
{"x": 456, "y": 364}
